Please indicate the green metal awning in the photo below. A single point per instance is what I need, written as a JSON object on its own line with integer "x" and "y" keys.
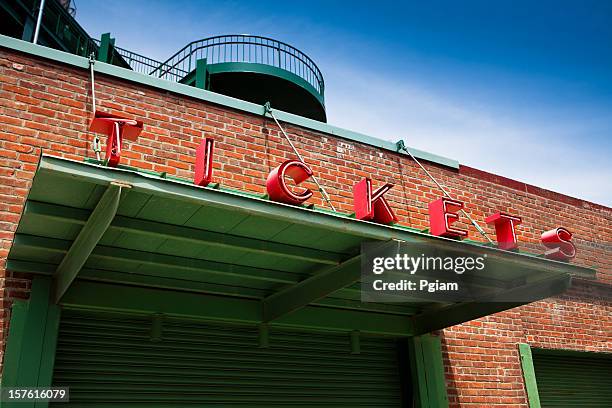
{"x": 134, "y": 241}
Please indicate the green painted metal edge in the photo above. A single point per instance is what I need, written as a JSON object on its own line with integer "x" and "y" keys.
{"x": 182, "y": 89}
{"x": 427, "y": 368}
{"x": 531, "y": 385}
{"x": 267, "y": 70}
{"x": 187, "y": 192}
{"x": 30, "y": 350}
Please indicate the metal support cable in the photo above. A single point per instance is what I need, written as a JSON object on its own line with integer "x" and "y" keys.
{"x": 92, "y": 61}
{"x": 96, "y": 145}
{"x": 41, "y": 8}
{"x": 402, "y": 146}
{"x": 268, "y": 109}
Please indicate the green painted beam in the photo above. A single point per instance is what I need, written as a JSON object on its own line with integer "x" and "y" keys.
{"x": 156, "y": 280}
{"x": 121, "y": 298}
{"x": 316, "y": 287}
{"x": 87, "y": 239}
{"x": 191, "y": 265}
{"x": 531, "y": 385}
{"x": 221, "y": 241}
{"x": 462, "y": 312}
{"x": 34, "y": 332}
{"x": 427, "y": 367}
{"x": 30, "y": 350}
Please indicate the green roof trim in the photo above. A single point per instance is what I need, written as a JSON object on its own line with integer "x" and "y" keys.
{"x": 208, "y": 96}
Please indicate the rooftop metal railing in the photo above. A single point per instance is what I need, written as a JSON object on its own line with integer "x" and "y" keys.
{"x": 227, "y": 48}
{"x": 140, "y": 63}
{"x": 243, "y": 48}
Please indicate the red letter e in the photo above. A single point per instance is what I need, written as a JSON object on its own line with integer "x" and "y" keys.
{"x": 442, "y": 213}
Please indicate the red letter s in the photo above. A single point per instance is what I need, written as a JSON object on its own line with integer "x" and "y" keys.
{"x": 559, "y": 244}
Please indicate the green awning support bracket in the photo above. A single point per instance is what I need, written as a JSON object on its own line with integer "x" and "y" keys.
{"x": 311, "y": 289}
{"x": 91, "y": 233}
{"x": 529, "y": 376}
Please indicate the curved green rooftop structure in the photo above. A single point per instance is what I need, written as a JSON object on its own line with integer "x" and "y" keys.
{"x": 252, "y": 68}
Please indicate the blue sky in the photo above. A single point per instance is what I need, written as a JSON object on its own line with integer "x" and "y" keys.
{"x": 520, "y": 89}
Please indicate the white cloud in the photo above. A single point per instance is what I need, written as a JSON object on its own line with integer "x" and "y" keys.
{"x": 548, "y": 154}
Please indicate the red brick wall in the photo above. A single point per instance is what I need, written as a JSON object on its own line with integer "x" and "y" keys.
{"x": 45, "y": 106}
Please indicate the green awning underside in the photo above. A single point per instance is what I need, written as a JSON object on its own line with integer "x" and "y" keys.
{"x": 178, "y": 249}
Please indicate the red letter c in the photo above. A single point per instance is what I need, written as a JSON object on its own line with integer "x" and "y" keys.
{"x": 277, "y": 187}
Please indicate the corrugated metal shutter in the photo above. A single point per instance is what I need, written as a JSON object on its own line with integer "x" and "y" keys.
{"x": 568, "y": 381}
{"x": 110, "y": 358}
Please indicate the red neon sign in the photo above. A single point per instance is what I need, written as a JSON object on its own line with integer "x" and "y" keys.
{"x": 559, "y": 244}
{"x": 277, "y": 185}
{"x": 505, "y": 229}
{"x": 370, "y": 205}
{"x": 204, "y": 162}
{"x": 442, "y": 214}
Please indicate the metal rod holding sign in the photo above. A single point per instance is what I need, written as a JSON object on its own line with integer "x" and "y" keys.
{"x": 96, "y": 145}
{"x": 402, "y": 146}
{"x": 41, "y": 7}
{"x": 268, "y": 109}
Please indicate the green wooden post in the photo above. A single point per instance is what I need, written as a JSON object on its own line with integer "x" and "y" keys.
{"x": 106, "y": 46}
{"x": 30, "y": 350}
{"x": 201, "y": 74}
{"x": 529, "y": 376}
{"x": 427, "y": 368}
{"x": 14, "y": 344}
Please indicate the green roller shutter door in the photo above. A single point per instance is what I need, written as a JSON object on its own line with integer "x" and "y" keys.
{"x": 112, "y": 359}
{"x": 573, "y": 380}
